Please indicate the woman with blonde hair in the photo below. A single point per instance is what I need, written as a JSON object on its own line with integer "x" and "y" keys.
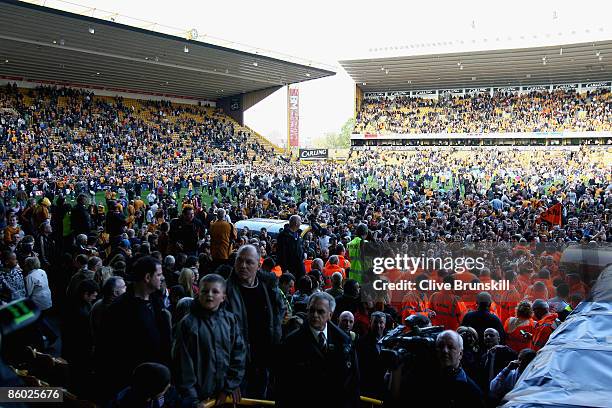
{"x": 187, "y": 280}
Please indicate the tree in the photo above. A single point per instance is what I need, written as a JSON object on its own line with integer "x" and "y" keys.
{"x": 335, "y": 140}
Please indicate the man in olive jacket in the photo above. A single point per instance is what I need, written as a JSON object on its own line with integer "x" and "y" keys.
{"x": 255, "y": 300}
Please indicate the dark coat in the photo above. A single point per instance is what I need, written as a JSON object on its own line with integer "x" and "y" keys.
{"x": 275, "y": 309}
{"x": 480, "y": 320}
{"x": 491, "y": 363}
{"x": 209, "y": 354}
{"x": 307, "y": 368}
{"x": 186, "y": 234}
{"x": 290, "y": 252}
{"x": 371, "y": 367}
{"x": 132, "y": 334}
{"x": 115, "y": 223}
{"x": 80, "y": 220}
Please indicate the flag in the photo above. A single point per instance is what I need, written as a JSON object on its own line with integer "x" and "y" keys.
{"x": 552, "y": 215}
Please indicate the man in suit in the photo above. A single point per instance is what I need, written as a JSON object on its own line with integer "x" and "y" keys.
{"x": 319, "y": 351}
{"x": 495, "y": 358}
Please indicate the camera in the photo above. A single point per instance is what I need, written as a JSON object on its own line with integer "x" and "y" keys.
{"x": 410, "y": 349}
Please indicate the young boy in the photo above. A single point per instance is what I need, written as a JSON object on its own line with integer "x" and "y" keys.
{"x": 209, "y": 353}
{"x": 13, "y": 232}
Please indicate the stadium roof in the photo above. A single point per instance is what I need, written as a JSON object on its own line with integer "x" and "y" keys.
{"x": 568, "y": 63}
{"x": 45, "y": 44}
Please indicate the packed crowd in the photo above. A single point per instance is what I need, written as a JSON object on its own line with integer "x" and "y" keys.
{"x": 66, "y": 135}
{"x": 155, "y": 298}
{"x": 541, "y": 111}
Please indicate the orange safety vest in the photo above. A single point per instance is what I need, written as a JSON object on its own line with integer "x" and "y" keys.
{"x": 508, "y": 302}
{"x": 514, "y": 339}
{"x": 277, "y": 270}
{"x": 522, "y": 282}
{"x": 393, "y": 275}
{"x": 413, "y": 304}
{"x": 533, "y": 294}
{"x": 328, "y": 271}
{"x": 543, "y": 329}
{"x": 448, "y": 308}
{"x": 308, "y": 265}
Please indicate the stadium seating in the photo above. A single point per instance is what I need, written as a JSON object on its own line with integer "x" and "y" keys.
{"x": 530, "y": 112}
{"x": 63, "y": 132}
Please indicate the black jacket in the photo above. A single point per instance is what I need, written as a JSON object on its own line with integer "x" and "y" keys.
{"x": 209, "y": 354}
{"x": 290, "y": 252}
{"x": 491, "y": 363}
{"x": 133, "y": 331}
{"x": 274, "y": 312}
{"x": 115, "y": 223}
{"x": 80, "y": 220}
{"x": 308, "y": 369}
{"x": 371, "y": 367}
{"x": 187, "y": 234}
{"x": 480, "y": 320}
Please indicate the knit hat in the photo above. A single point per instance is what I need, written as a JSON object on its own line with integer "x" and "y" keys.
{"x": 45, "y": 201}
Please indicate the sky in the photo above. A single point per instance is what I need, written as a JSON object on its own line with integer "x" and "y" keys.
{"x": 333, "y": 30}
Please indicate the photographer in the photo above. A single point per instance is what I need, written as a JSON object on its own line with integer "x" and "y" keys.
{"x": 505, "y": 381}
{"x": 435, "y": 371}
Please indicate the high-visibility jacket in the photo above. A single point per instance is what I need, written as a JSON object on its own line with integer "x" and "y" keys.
{"x": 342, "y": 262}
{"x": 308, "y": 265}
{"x": 413, "y": 304}
{"x": 508, "y": 302}
{"x": 549, "y": 286}
{"x": 578, "y": 289}
{"x": 393, "y": 275}
{"x": 328, "y": 271}
{"x": 534, "y": 293}
{"x": 357, "y": 266}
{"x": 543, "y": 329}
{"x": 449, "y": 310}
{"x": 278, "y": 271}
{"x": 522, "y": 282}
{"x": 514, "y": 339}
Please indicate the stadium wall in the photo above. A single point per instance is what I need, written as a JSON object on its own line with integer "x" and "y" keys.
{"x": 108, "y": 92}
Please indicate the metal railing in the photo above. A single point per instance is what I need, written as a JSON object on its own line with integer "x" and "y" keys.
{"x": 249, "y": 402}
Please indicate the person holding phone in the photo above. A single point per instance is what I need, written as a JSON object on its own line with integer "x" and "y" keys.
{"x": 505, "y": 381}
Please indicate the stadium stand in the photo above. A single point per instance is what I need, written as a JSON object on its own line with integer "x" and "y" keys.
{"x": 65, "y": 131}
{"x": 540, "y": 111}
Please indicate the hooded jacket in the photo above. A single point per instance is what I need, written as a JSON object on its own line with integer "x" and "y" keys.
{"x": 209, "y": 354}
